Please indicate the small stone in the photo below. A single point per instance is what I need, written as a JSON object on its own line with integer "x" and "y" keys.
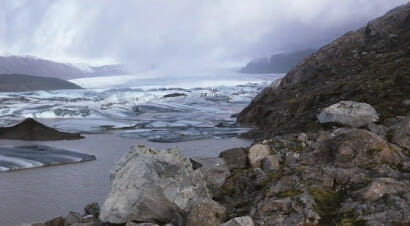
{"x": 72, "y": 218}
{"x": 206, "y": 213}
{"x": 214, "y": 170}
{"x": 57, "y": 221}
{"x": 92, "y": 209}
{"x": 140, "y": 224}
{"x": 239, "y": 221}
{"x": 271, "y": 163}
{"x": 256, "y": 153}
{"x": 235, "y": 158}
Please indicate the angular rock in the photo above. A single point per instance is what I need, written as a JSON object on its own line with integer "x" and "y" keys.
{"x": 401, "y": 135}
{"x": 349, "y": 113}
{"x": 256, "y": 153}
{"x": 239, "y": 221}
{"x": 214, "y": 170}
{"x": 206, "y": 213}
{"x": 149, "y": 185}
{"x": 271, "y": 163}
{"x": 235, "y": 158}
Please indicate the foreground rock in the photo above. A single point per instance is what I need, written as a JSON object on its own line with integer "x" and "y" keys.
{"x": 149, "y": 185}
{"x": 29, "y": 129}
{"x": 349, "y": 113}
{"x": 369, "y": 65}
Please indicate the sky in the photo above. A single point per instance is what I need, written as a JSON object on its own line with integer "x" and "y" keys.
{"x": 177, "y": 35}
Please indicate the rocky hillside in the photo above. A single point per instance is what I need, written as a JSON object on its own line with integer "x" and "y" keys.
{"x": 20, "y": 83}
{"x": 40, "y": 67}
{"x": 278, "y": 63}
{"x": 370, "y": 65}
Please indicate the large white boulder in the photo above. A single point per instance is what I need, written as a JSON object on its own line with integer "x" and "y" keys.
{"x": 149, "y": 185}
{"x": 349, "y": 113}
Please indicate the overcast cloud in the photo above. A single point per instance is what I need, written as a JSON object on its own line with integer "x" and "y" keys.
{"x": 177, "y": 35}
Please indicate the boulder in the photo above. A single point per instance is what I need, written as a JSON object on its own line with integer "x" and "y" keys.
{"x": 235, "y": 158}
{"x": 349, "y": 113}
{"x": 401, "y": 135}
{"x": 214, "y": 170}
{"x": 149, "y": 185}
{"x": 256, "y": 153}
{"x": 239, "y": 221}
{"x": 362, "y": 148}
{"x": 271, "y": 163}
{"x": 206, "y": 213}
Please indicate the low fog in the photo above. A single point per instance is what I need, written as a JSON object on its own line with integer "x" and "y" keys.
{"x": 178, "y": 36}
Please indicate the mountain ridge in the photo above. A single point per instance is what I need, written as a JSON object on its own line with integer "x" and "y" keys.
{"x": 31, "y": 65}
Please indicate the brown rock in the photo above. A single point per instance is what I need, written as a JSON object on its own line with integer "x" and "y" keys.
{"x": 235, "y": 158}
{"x": 360, "y": 147}
{"x": 206, "y": 213}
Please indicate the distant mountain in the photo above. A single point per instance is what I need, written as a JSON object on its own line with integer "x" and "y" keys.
{"x": 278, "y": 63}
{"x": 20, "y": 83}
{"x": 30, "y": 65}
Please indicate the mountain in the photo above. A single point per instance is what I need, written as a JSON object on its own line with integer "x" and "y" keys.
{"x": 369, "y": 65}
{"x": 278, "y": 63}
{"x": 40, "y": 67}
{"x": 19, "y": 83}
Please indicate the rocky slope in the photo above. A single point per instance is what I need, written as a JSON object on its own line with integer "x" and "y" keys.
{"x": 278, "y": 63}
{"x": 370, "y": 65}
{"x": 29, "y": 129}
{"x": 40, "y": 67}
{"x": 20, "y": 83}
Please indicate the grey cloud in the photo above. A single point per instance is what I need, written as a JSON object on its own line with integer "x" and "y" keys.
{"x": 176, "y": 35}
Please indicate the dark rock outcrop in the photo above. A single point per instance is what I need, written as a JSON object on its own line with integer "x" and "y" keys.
{"x": 21, "y": 83}
{"x": 29, "y": 129}
{"x": 370, "y": 65}
{"x": 278, "y": 63}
